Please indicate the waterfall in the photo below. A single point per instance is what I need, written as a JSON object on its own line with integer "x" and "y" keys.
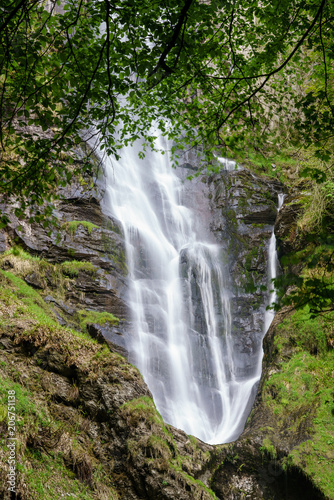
{"x": 179, "y": 301}
{"x": 272, "y": 271}
{"x": 228, "y": 165}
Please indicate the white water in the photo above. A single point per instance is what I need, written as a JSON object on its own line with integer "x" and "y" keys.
{"x": 272, "y": 272}
{"x": 182, "y": 341}
{"x": 229, "y": 165}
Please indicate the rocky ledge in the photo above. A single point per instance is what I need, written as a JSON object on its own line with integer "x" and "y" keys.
{"x": 89, "y": 247}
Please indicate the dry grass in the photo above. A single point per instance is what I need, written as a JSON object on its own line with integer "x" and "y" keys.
{"x": 320, "y": 205}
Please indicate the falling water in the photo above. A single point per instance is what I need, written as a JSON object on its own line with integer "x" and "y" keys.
{"x": 272, "y": 271}
{"x": 228, "y": 165}
{"x": 182, "y": 341}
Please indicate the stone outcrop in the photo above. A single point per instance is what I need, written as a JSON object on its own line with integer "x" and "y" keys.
{"x": 97, "y": 418}
{"x": 83, "y": 233}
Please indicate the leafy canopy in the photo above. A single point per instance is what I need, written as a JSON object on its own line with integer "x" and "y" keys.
{"x": 207, "y": 73}
{"x": 213, "y": 72}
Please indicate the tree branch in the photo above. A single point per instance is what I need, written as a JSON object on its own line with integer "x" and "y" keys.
{"x": 161, "y": 63}
{"x": 277, "y": 70}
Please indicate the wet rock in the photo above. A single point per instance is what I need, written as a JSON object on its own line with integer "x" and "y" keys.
{"x": 103, "y": 334}
{"x": 244, "y": 209}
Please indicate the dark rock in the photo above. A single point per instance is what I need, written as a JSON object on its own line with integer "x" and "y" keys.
{"x": 4, "y": 245}
{"x": 115, "y": 336}
{"x": 244, "y": 208}
{"x": 101, "y": 291}
{"x": 61, "y": 304}
{"x": 95, "y": 332}
{"x": 53, "y": 361}
{"x": 266, "y": 215}
{"x": 98, "y": 240}
{"x": 101, "y": 334}
{"x": 189, "y": 166}
{"x": 35, "y": 281}
{"x": 286, "y": 229}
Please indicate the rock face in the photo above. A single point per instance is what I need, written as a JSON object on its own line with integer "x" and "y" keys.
{"x": 244, "y": 208}
{"x": 99, "y": 417}
{"x": 90, "y": 410}
{"x": 83, "y": 234}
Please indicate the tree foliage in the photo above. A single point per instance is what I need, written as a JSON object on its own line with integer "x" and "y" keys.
{"x": 314, "y": 286}
{"x": 214, "y": 72}
{"x": 206, "y": 73}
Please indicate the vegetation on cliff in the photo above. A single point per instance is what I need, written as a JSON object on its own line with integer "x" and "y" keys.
{"x": 298, "y": 393}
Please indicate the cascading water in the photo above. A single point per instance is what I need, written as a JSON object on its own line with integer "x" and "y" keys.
{"x": 182, "y": 341}
{"x": 228, "y": 165}
{"x": 272, "y": 270}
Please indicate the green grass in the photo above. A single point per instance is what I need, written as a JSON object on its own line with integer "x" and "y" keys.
{"x": 17, "y": 251}
{"x": 93, "y": 317}
{"x": 195, "y": 482}
{"x": 25, "y": 406}
{"x": 141, "y": 409}
{"x": 284, "y": 162}
{"x": 72, "y": 226}
{"x": 268, "y": 447}
{"x": 27, "y": 304}
{"x": 48, "y": 478}
{"x": 21, "y": 303}
{"x": 303, "y": 333}
{"x": 32, "y": 305}
{"x": 301, "y": 393}
{"x": 316, "y": 456}
{"x": 73, "y": 267}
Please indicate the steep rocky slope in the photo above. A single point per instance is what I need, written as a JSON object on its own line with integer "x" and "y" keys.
{"x": 86, "y": 423}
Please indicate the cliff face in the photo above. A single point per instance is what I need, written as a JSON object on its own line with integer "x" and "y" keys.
{"x": 285, "y": 450}
{"x": 85, "y": 235}
{"x": 86, "y": 422}
{"x": 91, "y": 429}
{"x": 244, "y": 208}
